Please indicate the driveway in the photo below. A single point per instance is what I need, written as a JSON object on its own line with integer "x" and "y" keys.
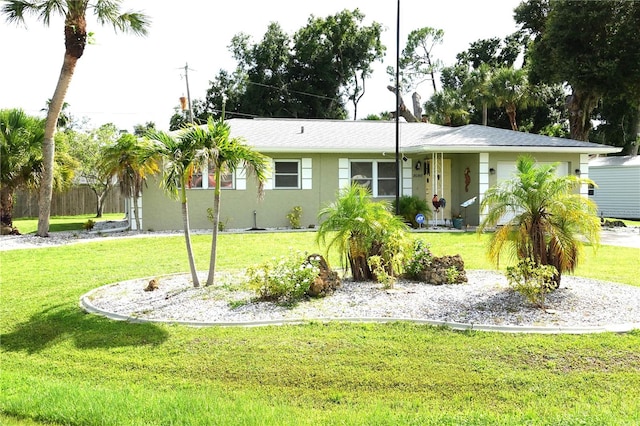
{"x": 625, "y": 237}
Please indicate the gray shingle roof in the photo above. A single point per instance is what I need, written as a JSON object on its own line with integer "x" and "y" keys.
{"x": 286, "y": 135}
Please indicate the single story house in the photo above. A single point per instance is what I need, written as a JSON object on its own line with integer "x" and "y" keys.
{"x": 313, "y": 159}
{"x": 617, "y": 190}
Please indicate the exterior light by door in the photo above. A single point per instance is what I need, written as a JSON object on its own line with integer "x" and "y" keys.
{"x": 418, "y": 165}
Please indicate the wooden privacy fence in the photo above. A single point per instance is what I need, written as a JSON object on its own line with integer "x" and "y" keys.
{"x": 77, "y": 200}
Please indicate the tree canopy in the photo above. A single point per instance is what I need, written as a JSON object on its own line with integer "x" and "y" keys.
{"x": 590, "y": 46}
{"x": 313, "y": 73}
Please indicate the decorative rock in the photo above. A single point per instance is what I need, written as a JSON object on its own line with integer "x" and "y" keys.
{"x": 440, "y": 271}
{"x": 326, "y": 281}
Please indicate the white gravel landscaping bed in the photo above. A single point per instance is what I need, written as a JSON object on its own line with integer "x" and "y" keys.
{"x": 485, "y": 300}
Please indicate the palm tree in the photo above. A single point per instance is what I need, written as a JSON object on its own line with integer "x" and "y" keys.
{"x": 548, "y": 217}
{"x": 510, "y": 88}
{"x": 130, "y": 160}
{"x": 75, "y": 35}
{"x": 446, "y": 108}
{"x": 478, "y": 88}
{"x": 362, "y": 228}
{"x": 20, "y": 159}
{"x": 226, "y": 155}
{"x": 180, "y": 157}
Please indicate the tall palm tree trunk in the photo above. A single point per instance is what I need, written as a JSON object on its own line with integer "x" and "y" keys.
{"x": 484, "y": 113}
{"x": 48, "y": 145}
{"x": 511, "y": 113}
{"x": 216, "y": 222}
{"x": 187, "y": 238}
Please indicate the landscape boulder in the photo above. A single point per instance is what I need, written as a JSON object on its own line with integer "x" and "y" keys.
{"x": 445, "y": 270}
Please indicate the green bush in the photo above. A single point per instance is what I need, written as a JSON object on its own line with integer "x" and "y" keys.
{"x": 294, "y": 217}
{"x": 531, "y": 280}
{"x": 419, "y": 260}
{"x": 380, "y": 271}
{"x": 410, "y": 206}
{"x": 88, "y": 225}
{"x": 285, "y": 279}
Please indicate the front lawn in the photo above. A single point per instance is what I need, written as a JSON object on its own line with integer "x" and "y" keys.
{"x": 62, "y": 366}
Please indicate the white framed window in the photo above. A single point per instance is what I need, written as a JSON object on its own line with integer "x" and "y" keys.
{"x": 378, "y": 175}
{"x": 286, "y": 174}
{"x": 205, "y": 179}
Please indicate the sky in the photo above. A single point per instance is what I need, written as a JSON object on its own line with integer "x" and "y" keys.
{"x": 127, "y": 80}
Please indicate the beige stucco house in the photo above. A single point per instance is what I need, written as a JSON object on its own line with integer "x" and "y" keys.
{"x": 312, "y": 159}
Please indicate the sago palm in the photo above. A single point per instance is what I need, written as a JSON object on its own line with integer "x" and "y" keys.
{"x": 548, "y": 217}
{"x": 360, "y": 228}
{"x": 75, "y": 38}
{"x": 226, "y": 155}
{"x": 180, "y": 157}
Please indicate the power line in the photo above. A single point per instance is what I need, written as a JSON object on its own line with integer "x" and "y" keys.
{"x": 283, "y": 89}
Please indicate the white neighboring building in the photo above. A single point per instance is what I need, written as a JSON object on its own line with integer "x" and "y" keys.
{"x": 618, "y": 186}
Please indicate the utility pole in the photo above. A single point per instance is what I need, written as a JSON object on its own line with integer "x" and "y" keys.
{"x": 186, "y": 78}
{"x": 398, "y": 186}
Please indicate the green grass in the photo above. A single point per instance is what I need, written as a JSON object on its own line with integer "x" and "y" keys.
{"x": 29, "y": 225}
{"x": 62, "y": 366}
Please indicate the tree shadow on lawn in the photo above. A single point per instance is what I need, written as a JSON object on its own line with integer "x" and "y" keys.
{"x": 61, "y": 322}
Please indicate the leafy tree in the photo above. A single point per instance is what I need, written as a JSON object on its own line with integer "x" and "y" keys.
{"x": 619, "y": 120}
{"x": 180, "y": 157}
{"x": 88, "y": 149}
{"x": 416, "y": 61}
{"x": 335, "y": 54}
{"x": 311, "y": 74}
{"x": 591, "y": 46}
{"x": 495, "y": 52}
{"x": 361, "y": 228}
{"x": 225, "y": 154}
{"x": 75, "y": 34}
{"x": 20, "y": 159}
{"x": 130, "y": 160}
{"x": 141, "y": 130}
{"x": 548, "y": 217}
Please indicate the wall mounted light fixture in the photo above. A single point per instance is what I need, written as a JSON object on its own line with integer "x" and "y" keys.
{"x": 492, "y": 171}
{"x": 577, "y": 171}
{"x": 418, "y": 165}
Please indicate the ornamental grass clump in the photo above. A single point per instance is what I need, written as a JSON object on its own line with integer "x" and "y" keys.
{"x": 286, "y": 279}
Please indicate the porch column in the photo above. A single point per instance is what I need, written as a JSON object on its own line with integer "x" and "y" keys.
{"x": 407, "y": 178}
{"x": 584, "y": 172}
{"x": 131, "y": 213}
{"x": 483, "y": 181}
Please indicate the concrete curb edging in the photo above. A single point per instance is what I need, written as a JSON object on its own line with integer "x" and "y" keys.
{"x": 87, "y": 306}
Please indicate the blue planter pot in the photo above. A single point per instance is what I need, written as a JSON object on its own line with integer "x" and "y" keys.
{"x": 458, "y": 223}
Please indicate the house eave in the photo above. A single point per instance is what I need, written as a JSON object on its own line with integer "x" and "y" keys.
{"x": 444, "y": 149}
